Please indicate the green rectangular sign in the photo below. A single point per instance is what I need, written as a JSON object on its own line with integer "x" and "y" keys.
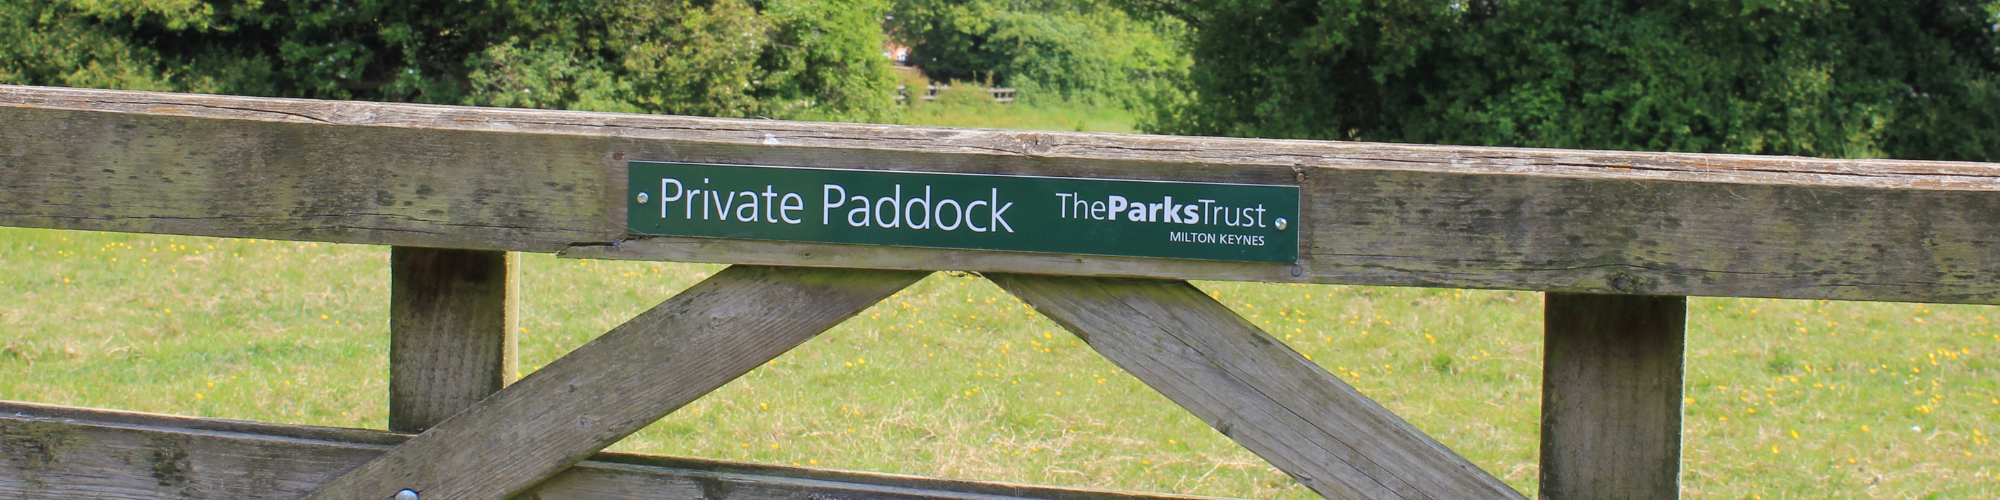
{"x": 1180, "y": 220}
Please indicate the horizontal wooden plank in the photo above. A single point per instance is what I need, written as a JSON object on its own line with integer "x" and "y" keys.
{"x": 52, "y": 452}
{"x": 1376, "y": 214}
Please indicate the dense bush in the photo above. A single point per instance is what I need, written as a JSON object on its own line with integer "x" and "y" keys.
{"x": 1060, "y": 50}
{"x": 1833, "y": 78}
{"x": 779, "y": 58}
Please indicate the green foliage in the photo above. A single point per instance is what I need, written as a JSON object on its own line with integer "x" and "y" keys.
{"x": 829, "y": 61}
{"x": 1781, "y": 364}
{"x": 1050, "y": 49}
{"x": 1831, "y": 78}
{"x": 780, "y": 58}
{"x": 1443, "y": 364}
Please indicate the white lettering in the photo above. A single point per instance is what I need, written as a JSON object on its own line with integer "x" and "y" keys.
{"x": 768, "y": 206}
{"x": 749, "y": 215}
{"x": 999, "y": 222}
{"x": 968, "y": 216}
{"x": 721, "y": 205}
{"x": 858, "y": 217}
{"x": 895, "y": 210}
{"x": 789, "y": 203}
{"x": 957, "y": 215}
{"x": 678, "y": 192}
{"x": 830, "y": 201}
{"x": 910, "y": 212}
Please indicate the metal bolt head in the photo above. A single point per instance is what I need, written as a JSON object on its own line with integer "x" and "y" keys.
{"x": 1281, "y": 223}
{"x": 642, "y": 199}
{"x": 406, "y": 495}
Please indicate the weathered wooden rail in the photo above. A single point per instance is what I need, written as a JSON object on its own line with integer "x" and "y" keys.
{"x": 1618, "y": 238}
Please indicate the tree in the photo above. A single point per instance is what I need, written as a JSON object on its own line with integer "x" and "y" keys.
{"x": 1066, "y": 50}
{"x": 784, "y": 58}
{"x": 1832, "y": 78}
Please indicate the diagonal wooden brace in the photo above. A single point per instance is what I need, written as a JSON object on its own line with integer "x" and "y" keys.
{"x": 1255, "y": 389}
{"x": 611, "y": 387}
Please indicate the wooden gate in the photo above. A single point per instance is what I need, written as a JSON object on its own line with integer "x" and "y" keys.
{"x": 1618, "y": 239}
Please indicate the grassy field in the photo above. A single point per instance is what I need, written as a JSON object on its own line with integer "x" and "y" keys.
{"x": 1787, "y": 399}
{"x": 966, "y": 105}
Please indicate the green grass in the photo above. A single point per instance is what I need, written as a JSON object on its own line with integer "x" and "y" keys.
{"x": 954, "y": 378}
{"x": 965, "y": 105}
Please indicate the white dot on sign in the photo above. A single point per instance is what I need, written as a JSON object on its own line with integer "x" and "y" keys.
{"x": 642, "y": 197}
{"x": 406, "y": 495}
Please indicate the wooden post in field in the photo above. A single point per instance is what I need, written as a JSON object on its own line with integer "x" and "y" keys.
{"x": 1611, "y": 396}
{"x": 452, "y": 323}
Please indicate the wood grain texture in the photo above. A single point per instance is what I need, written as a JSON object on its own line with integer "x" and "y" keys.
{"x": 453, "y": 317}
{"x": 1376, "y": 214}
{"x": 1611, "y": 396}
{"x": 66, "y": 453}
{"x": 1255, "y": 389}
{"x": 628, "y": 378}
{"x": 165, "y": 172}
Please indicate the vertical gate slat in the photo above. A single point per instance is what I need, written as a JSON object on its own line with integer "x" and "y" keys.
{"x": 1611, "y": 396}
{"x": 452, "y": 324}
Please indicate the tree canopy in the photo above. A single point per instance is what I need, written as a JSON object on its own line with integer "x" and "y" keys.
{"x": 777, "y": 58}
{"x": 1831, "y": 78}
{"x": 1835, "y": 78}
{"x": 1069, "y": 50}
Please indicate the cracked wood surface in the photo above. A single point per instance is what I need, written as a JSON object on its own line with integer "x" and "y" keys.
{"x": 620, "y": 382}
{"x": 1375, "y": 214}
{"x": 65, "y": 453}
{"x": 1253, "y": 388}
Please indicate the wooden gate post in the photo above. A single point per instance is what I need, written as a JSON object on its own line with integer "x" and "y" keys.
{"x": 452, "y": 324}
{"x": 1611, "y": 396}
